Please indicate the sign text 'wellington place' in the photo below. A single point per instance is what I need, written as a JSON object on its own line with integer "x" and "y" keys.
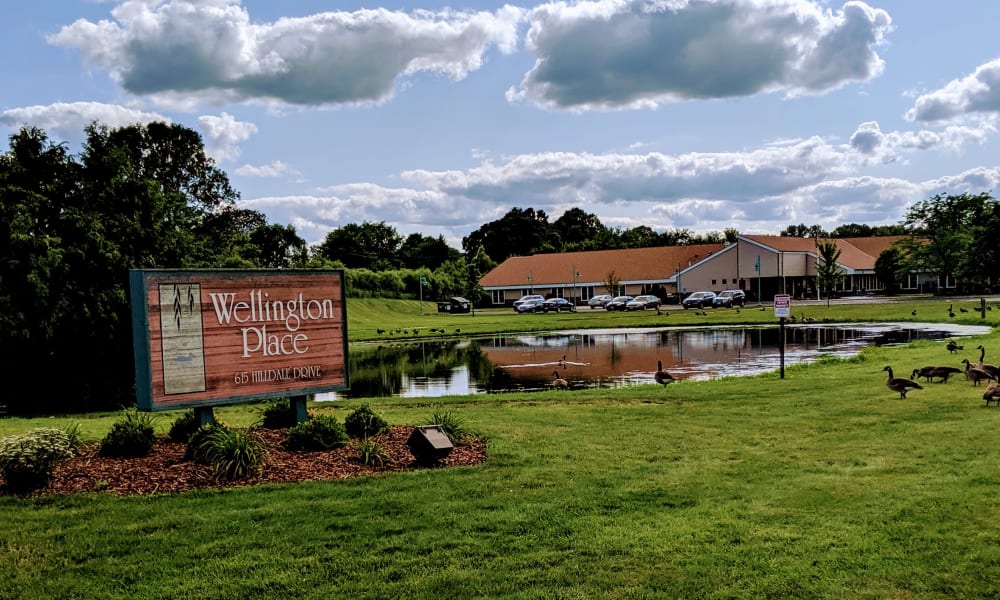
{"x": 205, "y": 338}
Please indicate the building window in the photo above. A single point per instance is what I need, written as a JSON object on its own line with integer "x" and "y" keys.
{"x": 586, "y": 292}
{"x": 713, "y": 282}
{"x": 723, "y": 282}
{"x": 499, "y": 296}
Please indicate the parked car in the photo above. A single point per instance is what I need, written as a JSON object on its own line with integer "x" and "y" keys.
{"x": 618, "y": 303}
{"x": 527, "y": 298}
{"x": 558, "y": 304}
{"x": 643, "y": 302}
{"x": 730, "y": 298}
{"x": 530, "y": 305}
{"x": 699, "y": 300}
{"x": 599, "y": 301}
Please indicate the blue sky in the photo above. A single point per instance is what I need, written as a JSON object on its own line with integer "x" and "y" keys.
{"x": 437, "y": 118}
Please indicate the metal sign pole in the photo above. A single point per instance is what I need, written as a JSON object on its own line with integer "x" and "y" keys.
{"x": 781, "y": 344}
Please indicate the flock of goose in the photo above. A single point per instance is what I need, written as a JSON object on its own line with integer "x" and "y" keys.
{"x": 974, "y": 372}
{"x": 662, "y": 377}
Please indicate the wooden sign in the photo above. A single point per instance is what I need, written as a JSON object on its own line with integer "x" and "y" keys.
{"x": 213, "y": 337}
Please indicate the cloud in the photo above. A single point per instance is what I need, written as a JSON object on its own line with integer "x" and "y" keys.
{"x": 614, "y": 54}
{"x": 411, "y": 211}
{"x": 869, "y": 140}
{"x": 975, "y": 93}
{"x": 810, "y": 180}
{"x": 212, "y": 51}
{"x": 68, "y": 120}
{"x": 276, "y": 168}
{"x": 616, "y": 177}
{"x": 223, "y": 135}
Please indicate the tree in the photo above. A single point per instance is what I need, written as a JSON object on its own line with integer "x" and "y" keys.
{"x": 278, "y": 246}
{"x": 612, "y": 281}
{"x": 943, "y": 230}
{"x": 801, "y": 230}
{"x": 141, "y": 196}
{"x": 889, "y": 267}
{"x": 478, "y": 265}
{"x": 369, "y": 245}
{"x": 521, "y": 232}
{"x": 578, "y": 229}
{"x": 419, "y": 251}
{"x": 828, "y": 273}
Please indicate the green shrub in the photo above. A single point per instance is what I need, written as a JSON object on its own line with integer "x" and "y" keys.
{"x": 199, "y": 443}
{"x": 28, "y": 459}
{"x": 371, "y": 452}
{"x": 184, "y": 427}
{"x": 132, "y": 435}
{"x": 453, "y": 425}
{"x": 74, "y": 435}
{"x": 364, "y": 422}
{"x": 233, "y": 453}
{"x": 279, "y": 414}
{"x": 320, "y": 432}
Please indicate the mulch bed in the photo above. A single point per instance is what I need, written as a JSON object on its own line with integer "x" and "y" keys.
{"x": 165, "y": 470}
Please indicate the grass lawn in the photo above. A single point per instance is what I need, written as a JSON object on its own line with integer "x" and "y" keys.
{"x": 824, "y": 484}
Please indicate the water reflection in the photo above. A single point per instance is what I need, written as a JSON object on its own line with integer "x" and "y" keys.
{"x": 606, "y": 358}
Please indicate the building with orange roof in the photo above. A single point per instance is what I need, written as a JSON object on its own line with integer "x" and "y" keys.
{"x": 760, "y": 265}
{"x": 582, "y": 275}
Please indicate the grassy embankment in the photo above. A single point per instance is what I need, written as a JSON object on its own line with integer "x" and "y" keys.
{"x": 367, "y": 316}
{"x": 823, "y": 484}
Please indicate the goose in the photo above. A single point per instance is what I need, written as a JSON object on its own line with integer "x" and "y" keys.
{"x": 975, "y": 374}
{"x": 661, "y": 376}
{"x": 953, "y": 346}
{"x": 558, "y": 382}
{"x": 900, "y": 384}
{"x": 930, "y": 372}
{"x": 992, "y": 393}
{"x": 991, "y": 369}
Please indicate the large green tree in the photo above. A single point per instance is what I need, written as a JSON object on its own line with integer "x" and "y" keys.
{"x": 521, "y": 232}
{"x": 419, "y": 250}
{"x": 944, "y": 230}
{"x": 369, "y": 245}
{"x": 578, "y": 230}
{"x": 143, "y": 196}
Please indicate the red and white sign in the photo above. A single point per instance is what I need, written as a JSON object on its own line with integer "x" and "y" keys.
{"x": 782, "y": 305}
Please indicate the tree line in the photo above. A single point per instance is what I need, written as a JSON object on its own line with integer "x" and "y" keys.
{"x": 148, "y": 197}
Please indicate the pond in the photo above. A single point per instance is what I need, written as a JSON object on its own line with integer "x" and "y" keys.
{"x": 607, "y": 358}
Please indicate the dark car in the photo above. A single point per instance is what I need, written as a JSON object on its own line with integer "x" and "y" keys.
{"x": 699, "y": 300}
{"x": 531, "y": 305}
{"x": 643, "y": 302}
{"x": 528, "y": 298}
{"x": 618, "y": 303}
{"x": 730, "y": 298}
{"x": 558, "y": 304}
